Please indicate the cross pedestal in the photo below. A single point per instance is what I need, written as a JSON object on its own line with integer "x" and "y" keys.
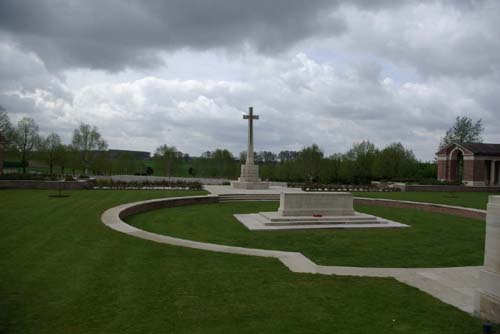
{"x": 249, "y": 178}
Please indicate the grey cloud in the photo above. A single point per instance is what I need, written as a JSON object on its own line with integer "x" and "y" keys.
{"x": 112, "y": 34}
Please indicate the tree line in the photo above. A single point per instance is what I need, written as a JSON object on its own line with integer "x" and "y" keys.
{"x": 24, "y": 141}
{"x": 363, "y": 163}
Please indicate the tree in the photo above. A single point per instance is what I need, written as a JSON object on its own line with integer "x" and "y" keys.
{"x": 26, "y": 139}
{"x": 50, "y": 148}
{"x": 362, "y": 156}
{"x": 6, "y": 129}
{"x": 266, "y": 157}
{"x": 224, "y": 163}
{"x": 394, "y": 161}
{"x": 243, "y": 157}
{"x": 169, "y": 157}
{"x": 63, "y": 156}
{"x": 87, "y": 142}
{"x": 285, "y": 156}
{"x": 463, "y": 131}
{"x": 310, "y": 159}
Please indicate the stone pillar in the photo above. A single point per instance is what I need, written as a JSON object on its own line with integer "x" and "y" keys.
{"x": 488, "y": 296}
{"x": 250, "y": 160}
{"x": 496, "y": 176}
{"x": 492, "y": 172}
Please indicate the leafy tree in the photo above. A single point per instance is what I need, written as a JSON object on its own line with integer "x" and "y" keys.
{"x": 87, "y": 141}
{"x": 394, "y": 161}
{"x": 50, "y": 148}
{"x": 362, "y": 156}
{"x": 168, "y": 157}
{"x": 463, "y": 131}
{"x": 26, "y": 139}
{"x": 224, "y": 163}
{"x": 309, "y": 160}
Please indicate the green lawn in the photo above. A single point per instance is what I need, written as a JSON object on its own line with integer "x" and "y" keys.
{"x": 63, "y": 271}
{"x": 434, "y": 240}
{"x": 477, "y": 200}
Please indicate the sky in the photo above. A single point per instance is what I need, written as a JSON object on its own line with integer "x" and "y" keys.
{"x": 183, "y": 72}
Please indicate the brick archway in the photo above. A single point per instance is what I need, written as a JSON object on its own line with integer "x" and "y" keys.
{"x": 456, "y": 165}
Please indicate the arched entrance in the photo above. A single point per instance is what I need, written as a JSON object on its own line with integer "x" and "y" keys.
{"x": 456, "y": 170}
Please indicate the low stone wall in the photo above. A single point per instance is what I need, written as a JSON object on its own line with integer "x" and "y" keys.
{"x": 141, "y": 178}
{"x": 450, "y": 188}
{"x": 36, "y": 184}
{"x": 167, "y": 203}
{"x": 438, "y": 208}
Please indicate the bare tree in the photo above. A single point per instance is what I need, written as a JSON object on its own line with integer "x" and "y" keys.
{"x": 51, "y": 147}
{"x": 26, "y": 139}
{"x": 87, "y": 141}
{"x": 6, "y": 129}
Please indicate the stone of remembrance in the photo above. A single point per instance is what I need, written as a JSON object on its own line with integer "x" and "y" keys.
{"x": 314, "y": 210}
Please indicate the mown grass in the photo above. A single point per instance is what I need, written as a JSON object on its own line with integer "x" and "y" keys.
{"x": 477, "y": 200}
{"x": 433, "y": 240}
{"x": 63, "y": 271}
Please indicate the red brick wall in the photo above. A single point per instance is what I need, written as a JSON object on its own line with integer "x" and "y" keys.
{"x": 442, "y": 166}
{"x": 469, "y": 168}
{"x": 479, "y": 170}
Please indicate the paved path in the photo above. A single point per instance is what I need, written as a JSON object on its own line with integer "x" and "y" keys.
{"x": 455, "y": 286}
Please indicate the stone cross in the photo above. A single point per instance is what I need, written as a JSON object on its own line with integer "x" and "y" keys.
{"x": 250, "y": 118}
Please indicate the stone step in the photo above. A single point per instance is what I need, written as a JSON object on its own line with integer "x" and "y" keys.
{"x": 275, "y": 218}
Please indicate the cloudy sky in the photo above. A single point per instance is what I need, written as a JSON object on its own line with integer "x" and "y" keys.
{"x": 181, "y": 72}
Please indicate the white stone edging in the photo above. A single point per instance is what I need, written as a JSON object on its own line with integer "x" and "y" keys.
{"x": 420, "y": 278}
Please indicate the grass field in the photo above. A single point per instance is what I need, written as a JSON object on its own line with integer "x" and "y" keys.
{"x": 434, "y": 240}
{"x": 477, "y": 200}
{"x": 63, "y": 271}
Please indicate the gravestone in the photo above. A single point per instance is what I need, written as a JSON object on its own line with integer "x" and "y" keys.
{"x": 249, "y": 178}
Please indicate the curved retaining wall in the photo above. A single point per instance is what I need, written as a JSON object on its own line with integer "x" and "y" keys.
{"x": 165, "y": 203}
{"x": 438, "y": 208}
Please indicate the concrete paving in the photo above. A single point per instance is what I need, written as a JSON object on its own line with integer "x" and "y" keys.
{"x": 455, "y": 286}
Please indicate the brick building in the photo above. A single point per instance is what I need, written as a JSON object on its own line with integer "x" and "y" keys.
{"x": 474, "y": 164}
